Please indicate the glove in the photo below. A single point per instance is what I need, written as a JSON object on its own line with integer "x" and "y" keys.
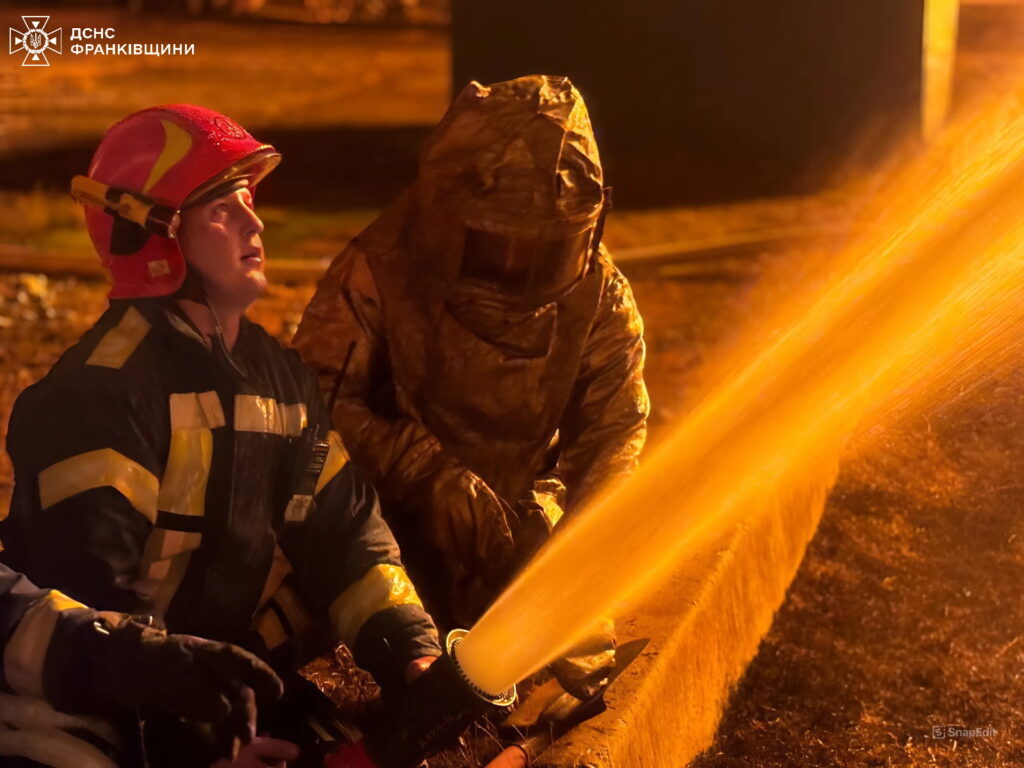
{"x": 583, "y": 672}
{"x": 467, "y": 522}
{"x": 538, "y": 512}
{"x": 98, "y": 663}
{"x": 468, "y": 526}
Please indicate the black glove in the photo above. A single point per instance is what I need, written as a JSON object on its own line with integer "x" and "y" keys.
{"x": 99, "y": 663}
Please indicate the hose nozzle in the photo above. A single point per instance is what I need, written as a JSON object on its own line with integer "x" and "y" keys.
{"x": 503, "y": 699}
{"x": 431, "y": 714}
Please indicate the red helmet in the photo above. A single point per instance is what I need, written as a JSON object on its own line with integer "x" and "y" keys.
{"x": 157, "y": 162}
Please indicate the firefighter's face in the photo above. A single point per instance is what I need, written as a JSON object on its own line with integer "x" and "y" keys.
{"x": 221, "y": 242}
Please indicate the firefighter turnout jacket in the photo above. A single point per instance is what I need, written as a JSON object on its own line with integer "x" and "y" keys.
{"x": 158, "y": 474}
{"x": 29, "y": 618}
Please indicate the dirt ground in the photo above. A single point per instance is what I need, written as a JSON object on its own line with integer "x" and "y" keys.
{"x": 904, "y": 621}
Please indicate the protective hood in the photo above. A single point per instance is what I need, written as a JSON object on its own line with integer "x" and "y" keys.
{"x": 515, "y": 160}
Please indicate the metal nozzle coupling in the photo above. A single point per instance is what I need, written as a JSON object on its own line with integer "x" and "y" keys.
{"x": 432, "y": 712}
{"x": 451, "y": 642}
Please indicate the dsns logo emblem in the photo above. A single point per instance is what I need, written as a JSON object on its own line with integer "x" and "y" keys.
{"x": 35, "y": 41}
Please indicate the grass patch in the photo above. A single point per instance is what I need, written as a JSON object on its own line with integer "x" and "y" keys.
{"x": 25, "y": 216}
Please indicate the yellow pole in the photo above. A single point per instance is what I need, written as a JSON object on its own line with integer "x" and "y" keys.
{"x": 938, "y": 56}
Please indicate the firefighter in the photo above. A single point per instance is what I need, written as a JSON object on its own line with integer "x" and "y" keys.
{"x": 75, "y": 661}
{"x": 177, "y": 461}
{"x": 484, "y": 354}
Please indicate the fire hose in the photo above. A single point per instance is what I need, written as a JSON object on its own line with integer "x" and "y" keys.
{"x": 441, "y": 703}
{"x": 434, "y": 711}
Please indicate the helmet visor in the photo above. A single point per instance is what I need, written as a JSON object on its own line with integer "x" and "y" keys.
{"x": 525, "y": 268}
{"x": 252, "y": 168}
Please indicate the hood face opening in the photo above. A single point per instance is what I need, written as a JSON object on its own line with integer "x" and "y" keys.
{"x": 525, "y": 268}
{"x": 510, "y": 188}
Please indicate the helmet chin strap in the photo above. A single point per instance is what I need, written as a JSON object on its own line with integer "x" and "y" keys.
{"x": 194, "y": 290}
{"x": 219, "y": 341}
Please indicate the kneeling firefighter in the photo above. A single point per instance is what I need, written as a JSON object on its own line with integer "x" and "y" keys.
{"x": 177, "y": 462}
{"x": 483, "y": 353}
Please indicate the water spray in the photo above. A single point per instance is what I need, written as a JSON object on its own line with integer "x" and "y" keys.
{"x": 931, "y": 291}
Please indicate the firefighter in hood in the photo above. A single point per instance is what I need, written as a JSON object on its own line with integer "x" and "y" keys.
{"x": 483, "y": 353}
{"x": 176, "y": 461}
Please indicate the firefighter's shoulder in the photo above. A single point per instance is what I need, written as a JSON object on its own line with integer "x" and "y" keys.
{"x": 117, "y": 361}
{"x": 81, "y": 401}
{"x": 616, "y": 291}
{"x": 112, "y": 350}
{"x": 611, "y": 275}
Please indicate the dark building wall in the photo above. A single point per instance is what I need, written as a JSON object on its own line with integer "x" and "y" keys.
{"x": 703, "y": 100}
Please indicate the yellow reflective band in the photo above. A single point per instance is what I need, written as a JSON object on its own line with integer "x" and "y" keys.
{"x": 183, "y": 489}
{"x": 270, "y": 628}
{"x": 292, "y": 418}
{"x": 165, "y": 578}
{"x": 550, "y": 508}
{"x": 176, "y": 145}
{"x": 294, "y": 610}
{"x": 264, "y": 414}
{"x": 163, "y": 547}
{"x": 26, "y": 650}
{"x": 337, "y": 457}
{"x": 210, "y": 403}
{"x": 132, "y": 208}
{"x": 182, "y": 492}
{"x": 171, "y": 543}
{"x": 298, "y": 508}
{"x": 61, "y": 602}
{"x": 382, "y": 587}
{"x": 163, "y": 565}
{"x": 195, "y": 410}
{"x": 95, "y": 469}
{"x": 119, "y": 342}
